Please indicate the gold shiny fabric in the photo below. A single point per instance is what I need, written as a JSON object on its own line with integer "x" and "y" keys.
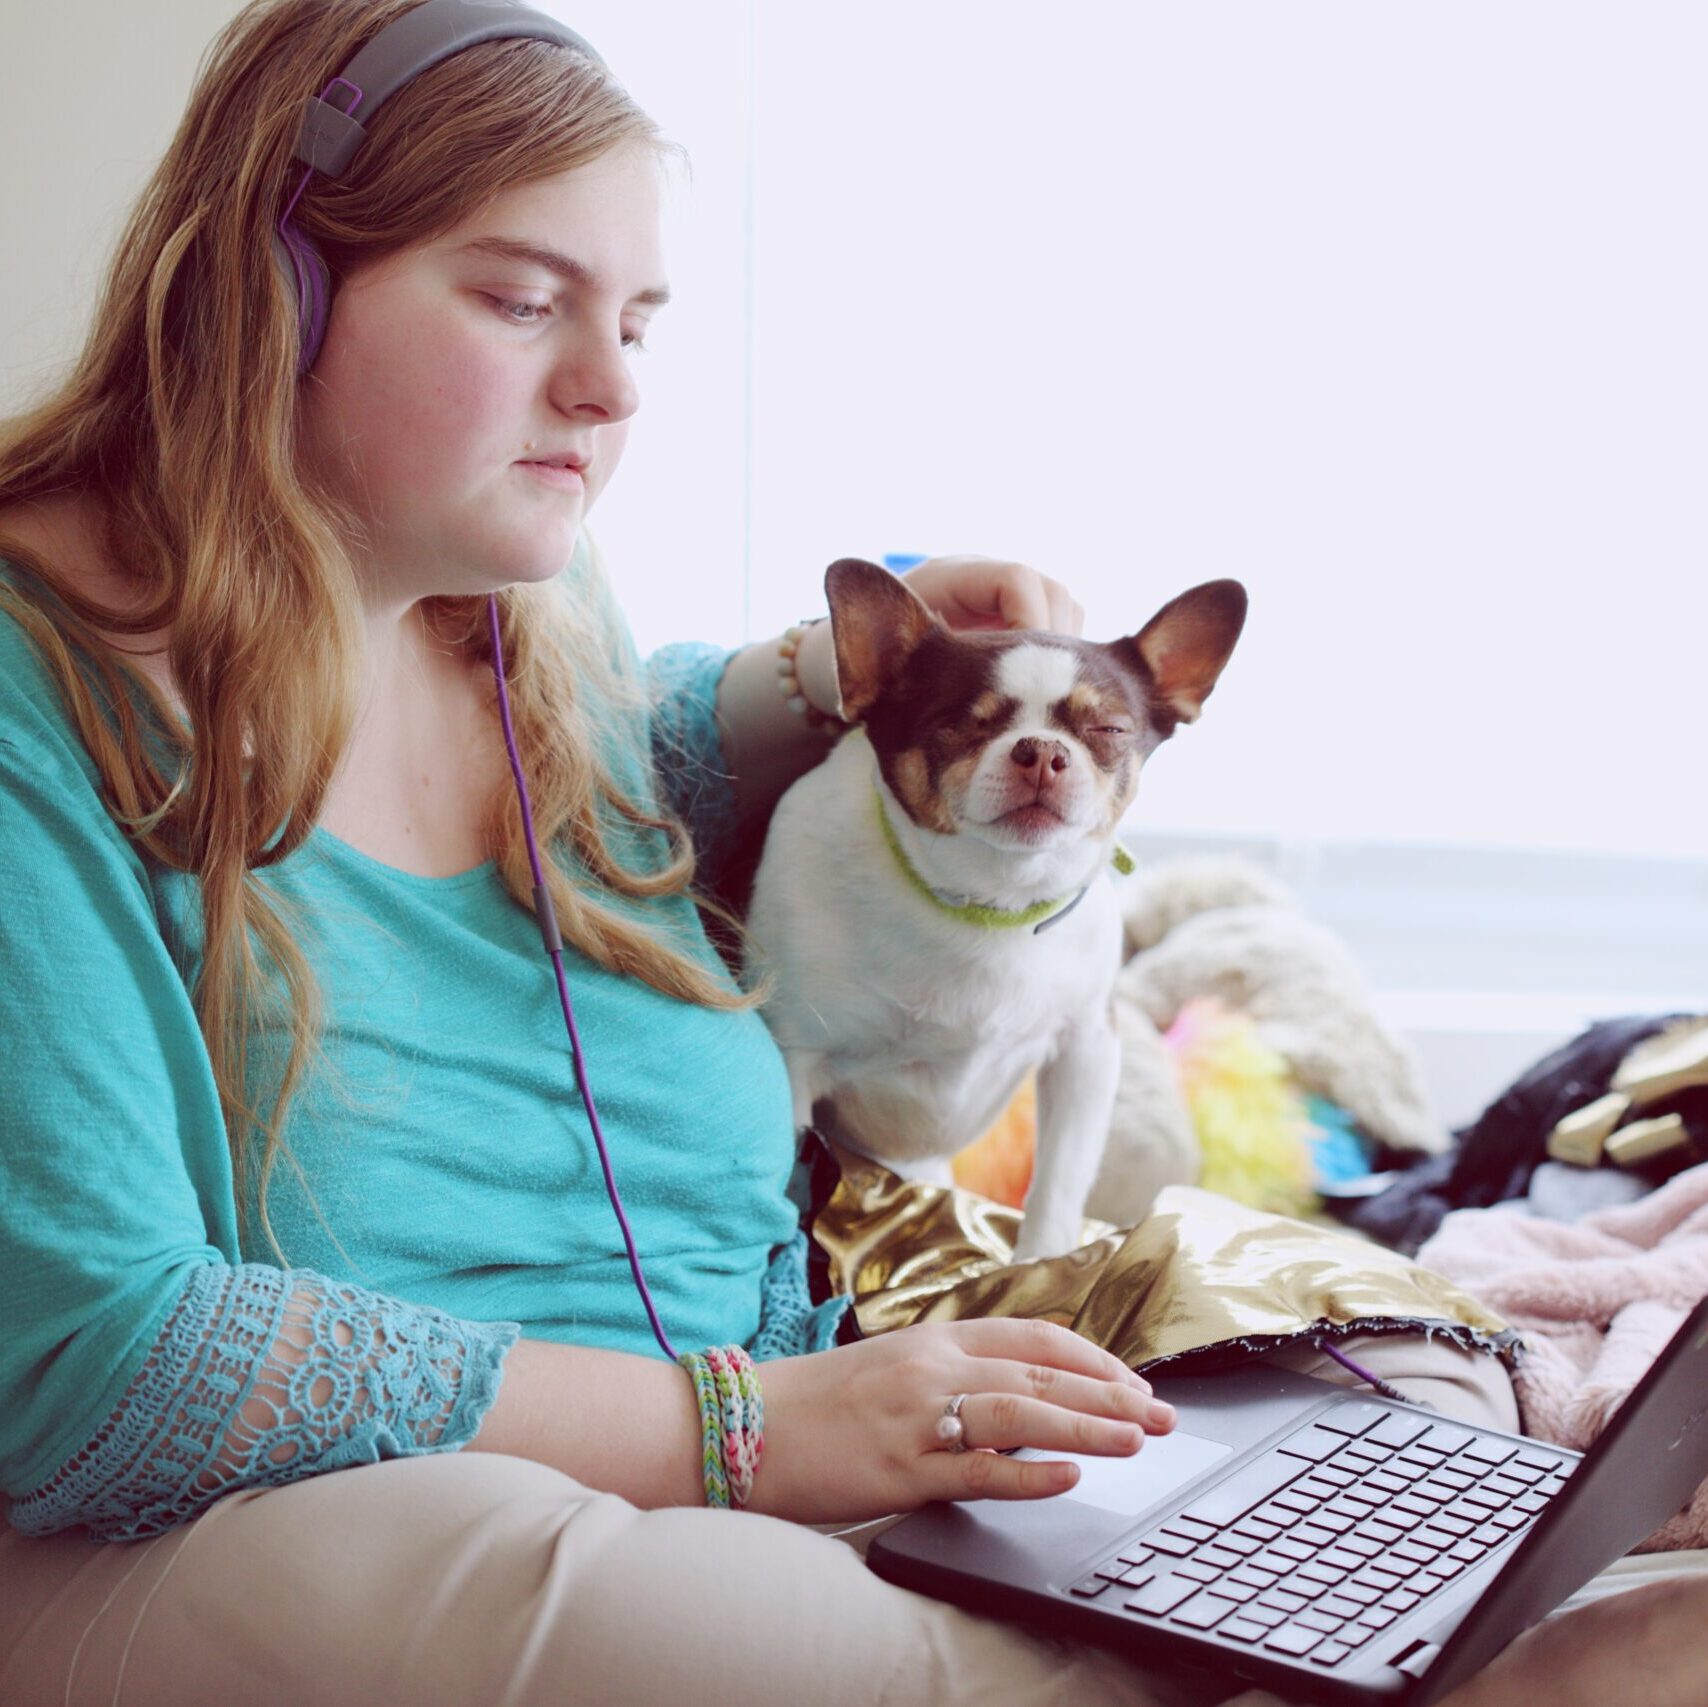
{"x": 1201, "y": 1276}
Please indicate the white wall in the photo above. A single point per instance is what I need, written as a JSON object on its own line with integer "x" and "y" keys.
{"x": 1394, "y": 312}
{"x": 91, "y": 96}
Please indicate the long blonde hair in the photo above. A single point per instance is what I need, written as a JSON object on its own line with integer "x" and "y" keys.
{"x": 180, "y": 417}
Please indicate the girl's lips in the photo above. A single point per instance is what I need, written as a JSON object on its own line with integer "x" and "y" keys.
{"x": 568, "y": 479}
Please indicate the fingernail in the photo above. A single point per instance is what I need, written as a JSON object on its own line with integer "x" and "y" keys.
{"x": 1064, "y": 1475}
{"x": 1161, "y": 1412}
{"x": 1138, "y": 1381}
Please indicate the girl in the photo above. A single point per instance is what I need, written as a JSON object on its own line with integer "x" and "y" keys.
{"x": 315, "y": 1299}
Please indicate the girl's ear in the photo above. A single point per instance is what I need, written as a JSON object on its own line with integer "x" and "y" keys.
{"x": 876, "y": 623}
{"x": 1182, "y": 649}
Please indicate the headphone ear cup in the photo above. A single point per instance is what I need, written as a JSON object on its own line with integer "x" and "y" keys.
{"x": 309, "y": 281}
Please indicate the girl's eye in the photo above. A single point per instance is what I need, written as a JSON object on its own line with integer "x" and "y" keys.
{"x": 520, "y": 313}
{"x": 536, "y": 311}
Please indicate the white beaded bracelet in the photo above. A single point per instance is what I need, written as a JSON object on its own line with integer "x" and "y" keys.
{"x": 789, "y": 683}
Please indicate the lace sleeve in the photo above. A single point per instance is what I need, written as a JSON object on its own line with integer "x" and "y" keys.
{"x": 790, "y": 1324}
{"x": 687, "y": 747}
{"x": 262, "y": 1376}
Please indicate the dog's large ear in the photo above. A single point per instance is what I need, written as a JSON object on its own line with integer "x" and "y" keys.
{"x": 876, "y": 623}
{"x": 1183, "y": 648}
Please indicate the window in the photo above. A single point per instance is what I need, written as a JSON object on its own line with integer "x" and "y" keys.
{"x": 1394, "y": 313}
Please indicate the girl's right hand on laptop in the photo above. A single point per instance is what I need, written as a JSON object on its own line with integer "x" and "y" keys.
{"x": 851, "y": 1433}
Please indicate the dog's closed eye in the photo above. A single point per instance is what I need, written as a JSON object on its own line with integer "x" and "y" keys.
{"x": 987, "y": 714}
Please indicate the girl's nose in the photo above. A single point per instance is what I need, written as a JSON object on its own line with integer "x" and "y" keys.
{"x": 596, "y": 377}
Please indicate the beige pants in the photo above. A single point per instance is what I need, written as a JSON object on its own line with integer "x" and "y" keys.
{"x": 472, "y": 1580}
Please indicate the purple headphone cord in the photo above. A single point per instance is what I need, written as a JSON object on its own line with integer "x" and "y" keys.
{"x": 1363, "y": 1374}
{"x": 547, "y": 920}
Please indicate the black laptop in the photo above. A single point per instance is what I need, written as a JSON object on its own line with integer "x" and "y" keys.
{"x": 1318, "y": 1542}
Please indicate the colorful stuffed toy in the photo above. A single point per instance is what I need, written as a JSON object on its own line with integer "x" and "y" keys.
{"x": 1252, "y": 1063}
{"x": 1250, "y": 1116}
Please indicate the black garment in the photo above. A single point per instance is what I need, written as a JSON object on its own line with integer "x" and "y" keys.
{"x": 815, "y": 1178}
{"x": 1496, "y": 1155}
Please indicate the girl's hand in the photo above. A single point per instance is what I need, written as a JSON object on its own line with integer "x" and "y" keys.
{"x": 851, "y": 1433}
{"x": 985, "y": 592}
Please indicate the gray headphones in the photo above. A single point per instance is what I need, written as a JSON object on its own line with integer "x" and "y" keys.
{"x": 331, "y": 135}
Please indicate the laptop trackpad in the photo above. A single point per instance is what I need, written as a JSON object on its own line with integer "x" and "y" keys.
{"x": 1132, "y": 1485}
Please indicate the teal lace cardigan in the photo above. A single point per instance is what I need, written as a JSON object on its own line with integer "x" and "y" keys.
{"x": 444, "y": 1199}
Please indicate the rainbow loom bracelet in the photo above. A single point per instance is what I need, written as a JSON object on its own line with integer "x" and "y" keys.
{"x": 744, "y": 1417}
{"x": 711, "y": 1428}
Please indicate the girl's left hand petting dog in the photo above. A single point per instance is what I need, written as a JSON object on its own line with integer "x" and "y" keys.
{"x": 989, "y": 592}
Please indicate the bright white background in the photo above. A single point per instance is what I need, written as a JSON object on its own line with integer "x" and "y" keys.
{"x": 1395, "y": 313}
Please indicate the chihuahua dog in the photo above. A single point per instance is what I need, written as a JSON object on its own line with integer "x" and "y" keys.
{"x": 932, "y": 902}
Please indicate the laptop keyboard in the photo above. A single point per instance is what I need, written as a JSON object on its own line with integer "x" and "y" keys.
{"x": 1349, "y": 1523}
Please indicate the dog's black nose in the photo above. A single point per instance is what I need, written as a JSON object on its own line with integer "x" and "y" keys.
{"x": 1031, "y": 754}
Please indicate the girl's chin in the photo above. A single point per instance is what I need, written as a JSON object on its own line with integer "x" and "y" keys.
{"x": 536, "y": 573}
{"x": 541, "y": 557}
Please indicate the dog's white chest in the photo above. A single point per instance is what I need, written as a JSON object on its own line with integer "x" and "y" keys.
{"x": 915, "y": 1024}
{"x": 924, "y": 1064}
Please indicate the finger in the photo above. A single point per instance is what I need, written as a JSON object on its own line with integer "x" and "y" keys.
{"x": 1033, "y": 1340}
{"x": 971, "y": 592}
{"x": 999, "y": 1421}
{"x": 989, "y": 593}
{"x": 1022, "y": 597}
{"x": 1027, "y": 599}
{"x": 999, "y": 1378}
{"x": 990, "y": 1476}
{"x": 1066, "y": 614}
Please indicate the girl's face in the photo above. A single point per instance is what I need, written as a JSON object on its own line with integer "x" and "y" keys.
{"x": 449, "y": 367}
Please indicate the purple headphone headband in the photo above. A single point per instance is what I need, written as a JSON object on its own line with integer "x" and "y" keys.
{"x": 402, "y": 51}
{"x": 331, "y": 134}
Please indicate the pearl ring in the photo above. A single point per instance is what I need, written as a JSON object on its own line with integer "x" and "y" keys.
{"x": 950, "y": 1429}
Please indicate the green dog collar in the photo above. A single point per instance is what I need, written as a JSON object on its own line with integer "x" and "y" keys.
{"x": 1040, "y": 915}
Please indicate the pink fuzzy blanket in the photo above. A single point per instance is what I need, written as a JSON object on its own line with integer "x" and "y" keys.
{"x": 1595, "y": 1300}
